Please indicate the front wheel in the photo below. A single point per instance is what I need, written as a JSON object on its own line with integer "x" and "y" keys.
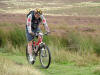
{"x": 45, "y": 56}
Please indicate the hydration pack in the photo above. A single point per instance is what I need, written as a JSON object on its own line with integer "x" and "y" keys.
{"x": 35, "y": 22}
{"x": 31, "y": 12}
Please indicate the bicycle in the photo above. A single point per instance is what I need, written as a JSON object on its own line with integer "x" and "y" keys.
{"x": 43, "y": 52}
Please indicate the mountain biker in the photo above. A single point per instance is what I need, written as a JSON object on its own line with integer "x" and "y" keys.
{"x": 34, "y": 18}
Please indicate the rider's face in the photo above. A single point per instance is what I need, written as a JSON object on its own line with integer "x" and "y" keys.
{"x": 37, "y": 16}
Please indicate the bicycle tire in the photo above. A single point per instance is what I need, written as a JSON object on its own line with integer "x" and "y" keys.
{"x": 49, "y": 54}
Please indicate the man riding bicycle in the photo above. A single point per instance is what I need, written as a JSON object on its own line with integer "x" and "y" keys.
{"x": 34, "y": 18}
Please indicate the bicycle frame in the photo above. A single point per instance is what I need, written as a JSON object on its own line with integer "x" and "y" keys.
{"x": 38, "y": 42}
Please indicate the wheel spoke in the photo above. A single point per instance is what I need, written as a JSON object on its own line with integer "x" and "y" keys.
{"x": 45, "y": 57}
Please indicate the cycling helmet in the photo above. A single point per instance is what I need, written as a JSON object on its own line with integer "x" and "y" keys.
{"x": 38, "y": 11}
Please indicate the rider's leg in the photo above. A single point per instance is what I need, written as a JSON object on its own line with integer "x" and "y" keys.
{"x": 31, "y": 56}
{"x": 30, "y": 51}
{"x": 30, "y": 47}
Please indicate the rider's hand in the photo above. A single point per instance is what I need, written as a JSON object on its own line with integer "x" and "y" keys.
{"x": 32, "y": 33}
{"x": 48, "y": 32}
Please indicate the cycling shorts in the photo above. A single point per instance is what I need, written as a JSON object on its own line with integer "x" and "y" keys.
{"x": 29, "y": 36}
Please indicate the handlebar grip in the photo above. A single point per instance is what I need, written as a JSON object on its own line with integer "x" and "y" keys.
{"x": 46, "y": 33}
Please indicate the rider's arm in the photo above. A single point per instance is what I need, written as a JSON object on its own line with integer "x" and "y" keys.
{"x": 29, "y": 23}
{"x": 45, "y": 23}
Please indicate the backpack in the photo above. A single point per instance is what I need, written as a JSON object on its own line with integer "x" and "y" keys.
{"x": 31, "y": 12}
{"x": 34, "y": 25}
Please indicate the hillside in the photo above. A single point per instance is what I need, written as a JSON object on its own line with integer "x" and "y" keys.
{"x": 74, "y": 41}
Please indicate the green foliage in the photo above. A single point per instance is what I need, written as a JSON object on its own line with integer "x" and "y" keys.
{"x": 96, "y": 45}
{"x": 14, "y": 41}
{"x": 97, "y": 70}
{"x": 3, "y": 40}
{"x": 17, "y": 37}
{"x": 56, "y": 41}
{"x": 79, "y": 42}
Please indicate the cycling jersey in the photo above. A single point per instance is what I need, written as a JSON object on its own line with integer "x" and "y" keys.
{"x": 33, "y": 23}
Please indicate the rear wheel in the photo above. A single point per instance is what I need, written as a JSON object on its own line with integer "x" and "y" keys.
{"x": 27, "y": 56}
{"x": 45, "y": 56}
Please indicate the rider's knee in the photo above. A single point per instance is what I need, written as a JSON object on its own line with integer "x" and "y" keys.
{"x": 30, "y": 43}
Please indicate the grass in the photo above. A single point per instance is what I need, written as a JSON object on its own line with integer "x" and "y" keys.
{"x": 8, "y": 67}
{"x": 2, "y": 38}
{"x": 96, "y": 46}
{"x": 17, "y": 37}
{"x": 72, "y": 45}
{"x": 12, "y": 64}
{"x": 97, "y": 70}
{"x": 73, "y": 53}
{"x": 57, "y": 69}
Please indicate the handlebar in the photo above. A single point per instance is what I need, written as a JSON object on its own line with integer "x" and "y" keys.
{"x": 36, "y": 34}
